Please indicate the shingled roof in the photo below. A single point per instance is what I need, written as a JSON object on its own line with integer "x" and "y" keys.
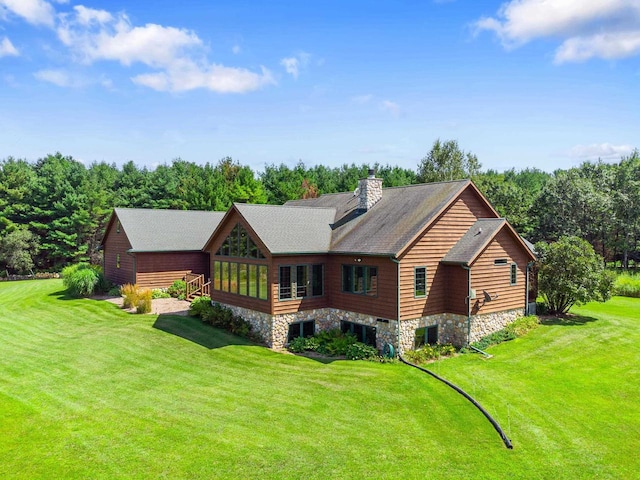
{"x": 290, "y": 229}
{"x": 474, "y": 241}
{"x": 166, "y": 230}
{"x": 396, "y": 219}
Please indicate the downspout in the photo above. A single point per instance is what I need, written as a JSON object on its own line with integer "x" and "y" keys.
{"x": 397, "y": 262}
{"x": 526, "y": 293}
{"x": 468, "y": 269}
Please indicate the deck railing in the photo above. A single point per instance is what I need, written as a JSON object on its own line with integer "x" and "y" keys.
{"x": 194, "y": 284}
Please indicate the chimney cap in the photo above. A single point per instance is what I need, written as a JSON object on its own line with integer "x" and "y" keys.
{"x": 372, "y": 173}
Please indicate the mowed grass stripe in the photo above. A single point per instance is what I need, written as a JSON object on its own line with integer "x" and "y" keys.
{"x": 94, "y": 392}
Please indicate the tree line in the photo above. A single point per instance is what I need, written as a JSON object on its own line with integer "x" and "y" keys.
{"x": 53, "y": 211}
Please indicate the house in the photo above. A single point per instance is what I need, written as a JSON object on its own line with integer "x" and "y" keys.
{"x": 399, "y": 266}
{"x": 153, "y": 248}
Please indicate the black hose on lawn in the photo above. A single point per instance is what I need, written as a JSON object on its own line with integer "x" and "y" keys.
{"x": 495, "y": 424}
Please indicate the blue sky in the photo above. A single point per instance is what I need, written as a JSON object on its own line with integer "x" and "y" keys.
{"x": 522, "y": 83}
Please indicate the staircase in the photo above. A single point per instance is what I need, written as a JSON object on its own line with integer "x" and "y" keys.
{"x": 196, "y": 286}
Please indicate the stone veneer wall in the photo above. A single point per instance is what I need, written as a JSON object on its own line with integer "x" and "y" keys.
{"x": 483, "y": 325}
{"x": 274, "y": 328}
{"x": 452, "y": 328}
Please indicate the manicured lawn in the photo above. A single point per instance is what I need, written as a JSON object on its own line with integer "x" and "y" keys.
{"x": 88, "y": 391}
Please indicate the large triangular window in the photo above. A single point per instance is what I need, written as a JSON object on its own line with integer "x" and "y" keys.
{"x": 239, "y": 244}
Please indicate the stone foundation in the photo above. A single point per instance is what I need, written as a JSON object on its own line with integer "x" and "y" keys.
{"x": 452, "y": 328}
{"x": 483, "y": 325}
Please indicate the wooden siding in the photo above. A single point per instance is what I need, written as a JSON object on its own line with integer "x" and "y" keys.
{"x": 116, "y": 243}
{"x": 428, "y": 249}
{"x": 457, "y": 289}
{"x": 384, "y": 305}
{"x": 496, "y": 279}
{"x": 297, "y": 304}
{"x": 161, "y": 269}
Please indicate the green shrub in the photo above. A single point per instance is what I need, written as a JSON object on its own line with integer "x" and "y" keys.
{"x": 429, "y": 353}
{"x": 627, "y": 285}
{"x": 144, "y": 301}
{"x": 199, "y": 306}
{"x": 500, "y": 336}
{"x": 298, "y": 345}
{"x": 178, "y": 289}
{"x": 360, "y": 351}
{"x": 221, "y": 317}
{"x": 159, "y": 293}
{"x": 83, "y": 280}
{"x": 114, "y": 291}
{"x": 523, "y": 325}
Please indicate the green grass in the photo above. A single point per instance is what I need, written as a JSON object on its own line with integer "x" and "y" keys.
{"x": 88, "y": 391}
{"x": 627, "y": 285}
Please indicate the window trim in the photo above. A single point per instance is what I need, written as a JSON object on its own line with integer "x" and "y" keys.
{"x": 513, "y": 274}
{"x": 415, "y": 281}
{"x": 293, "y": 275}
{"x": 365, "y": 276}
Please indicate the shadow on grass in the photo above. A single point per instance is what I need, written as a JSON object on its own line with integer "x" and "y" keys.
{"x": 568, "y": 320}
{"x": 63, "y": 295}
{"x": 192, "y": 329}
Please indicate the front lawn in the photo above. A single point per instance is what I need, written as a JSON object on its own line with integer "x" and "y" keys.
{"x": 88, "y": 391}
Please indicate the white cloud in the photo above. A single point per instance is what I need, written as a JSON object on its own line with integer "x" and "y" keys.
{"x": 605, "y": 151}
{"x": 236, "y": 49}
{"x": 608, "y": 45}
{"x": 176, "y": 55}
{"x": 392, "y": 107}
{"x": 36, "y": 12}
{"x": 87, "y": 16}
{"x": 293, "y": 65}
{"x": 7, "y": 49}
{"x": 60, "y": 78}
{"x": 596, "y": 28}
{"x": 188, "y": 75}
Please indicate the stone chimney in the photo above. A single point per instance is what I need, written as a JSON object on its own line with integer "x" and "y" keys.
{"x": 370, "y": 191}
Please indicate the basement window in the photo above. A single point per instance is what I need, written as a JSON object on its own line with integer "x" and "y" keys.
{"x": 363, "y": 333}
{"x": 301, "y": 329}
{"x": 426, "y": 336}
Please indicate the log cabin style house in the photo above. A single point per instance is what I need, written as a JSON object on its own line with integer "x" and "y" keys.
{"x": 398, "y": 266}
{"x": 402, "y": 266}
{"x": 154, "y": 248}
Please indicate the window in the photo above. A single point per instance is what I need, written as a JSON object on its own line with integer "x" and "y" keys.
{"x": 117, "y": 260}
{"x": 360, "y": 279}
{"x": 426, "y": 335}
{"x": 300, "y": 281}
{"x": 118, "y": 226}
{"x": 363, "y": 333}
{"x": 420, "y": 282}
{"x": 240, "y": 278}
{"x": 301, "y": 329}
{"x": 317, "y": 283}
{"x": 239, "y": 244}
{"x": 286, "y": 289}
{"x": 500, "y": 261}
{"x": 514, "y": 273}
{"x": 262, "y": 282}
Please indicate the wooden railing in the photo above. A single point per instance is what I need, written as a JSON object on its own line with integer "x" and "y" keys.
{"x": 194, "y": 285}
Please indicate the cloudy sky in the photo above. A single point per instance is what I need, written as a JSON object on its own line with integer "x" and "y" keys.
{"x": 522, "y": 83}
